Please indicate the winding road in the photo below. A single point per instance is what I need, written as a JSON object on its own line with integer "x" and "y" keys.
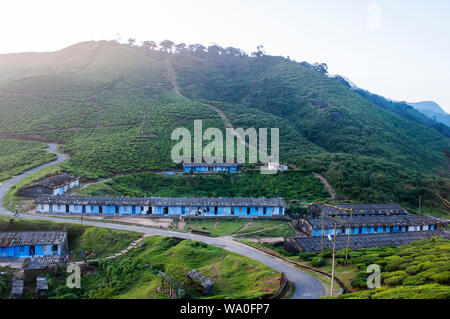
{"x": 306, "y": 286}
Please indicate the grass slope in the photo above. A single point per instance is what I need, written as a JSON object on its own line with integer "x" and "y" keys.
{"x": 18, "y": 156}
{"x": 135, "y": 274}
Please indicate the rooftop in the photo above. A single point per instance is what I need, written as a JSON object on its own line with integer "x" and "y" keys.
{"x": 198, "y": 277}
{"x": 17, "y": 287}
{"x": 24, "y": 238}
{"x": 373, "y": 209}
{"x": 54, "y": 181}
{"x": 313, "y": 244}
{"x": 158, "y": 201}
{"x": 41, "y": 283}
{"x": 380, "y": 220}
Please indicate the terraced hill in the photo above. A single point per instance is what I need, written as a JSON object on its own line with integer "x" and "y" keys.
{"x": 114, "y": 107}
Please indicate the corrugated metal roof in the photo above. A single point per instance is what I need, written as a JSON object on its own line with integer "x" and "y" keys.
{"x": 24, "y": 238}
{"x": 373, "y": 209}
{"x": 158, "y": 201}
{"x": 198, "y": 277}
{"x": 381, "y": 220}
{"x": 313, "y": 244}
{"x": 54, "y": 181}
{"x": 17, "y": 287}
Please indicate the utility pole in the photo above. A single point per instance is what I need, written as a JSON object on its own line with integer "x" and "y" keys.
{"x": 349, "y": 231}
{"x": 332, "y": 265}
{"x": 323, "y": 226}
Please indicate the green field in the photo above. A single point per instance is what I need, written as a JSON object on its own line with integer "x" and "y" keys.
{"x": 18, "y": 156}
{"x": 420, "y": 270}
{"x": 135, "y": 274}
{"x": 241, "y": 228}
{"x": 291, "y": 185}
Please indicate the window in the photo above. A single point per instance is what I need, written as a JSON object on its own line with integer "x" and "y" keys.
{"x": 165, "y": 210}
{"x": 55, "y": 248}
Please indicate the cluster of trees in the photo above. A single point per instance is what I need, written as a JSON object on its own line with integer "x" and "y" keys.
{"x": 168, "y": 46}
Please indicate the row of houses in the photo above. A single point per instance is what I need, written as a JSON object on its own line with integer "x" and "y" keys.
{"x": 368, "y": 224}
{"x": 225, "y": 167}
{"x": 362, "y": 226}
{"x": 161, "y": 206}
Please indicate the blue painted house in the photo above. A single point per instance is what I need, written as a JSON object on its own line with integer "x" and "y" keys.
{"x": 211, "y": 167}
{"x": 28, "y": 244}
{"x": 369, "y": 224}
{"x": 161, "y": 206}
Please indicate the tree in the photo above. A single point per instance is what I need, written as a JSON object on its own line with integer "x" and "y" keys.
{"x": 131, "y": 41}
{"x": 166, "y": 45}
{"x": 150, "y": 45}
{"x": 180, "y": 47}
{"x": 321, "y": 67}
{"x": 197, "y": 48}
{"x": 234, "y": 52}
{"x": 259, "y": 51}
{"x": 215, "y": 49}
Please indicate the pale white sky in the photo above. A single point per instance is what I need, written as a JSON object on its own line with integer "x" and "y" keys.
{"x": 399, "y": 49}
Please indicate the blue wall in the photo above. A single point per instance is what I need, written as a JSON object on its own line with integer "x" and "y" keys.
{"x": 363, "y": 230}
{"x": 24, "y": 251}
{"x": 202, "y": 169}
{"x": 239, "y": 211}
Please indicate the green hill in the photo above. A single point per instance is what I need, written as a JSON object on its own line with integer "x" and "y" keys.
{"x": 114, "y": 106}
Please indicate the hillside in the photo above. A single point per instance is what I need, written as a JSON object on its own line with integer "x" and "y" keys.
{"x": 433, "y": 111}
{"x": 114, "y": 107}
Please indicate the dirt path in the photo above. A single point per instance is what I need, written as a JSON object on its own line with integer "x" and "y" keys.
{"x": 123, "y": 252}
{"x": 327, "y": 186}
{"x": 93, "y": 183}
{"x": 227, "y": 124}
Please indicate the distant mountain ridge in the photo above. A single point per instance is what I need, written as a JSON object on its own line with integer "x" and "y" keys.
{"x": 433, "y": 110}
{"x": 427, "y": 113}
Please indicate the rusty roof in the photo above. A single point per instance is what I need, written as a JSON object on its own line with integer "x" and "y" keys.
{"x": 53, "y": 181}
{"x": 158, "y": 201}
{"x": 24, "y": 238}
{"x": 379, "y": 220}
{"x": 314, "y": 244}
{"x": 361, "y": 209}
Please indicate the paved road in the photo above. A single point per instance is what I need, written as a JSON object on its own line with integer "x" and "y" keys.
{"x": 306, "y": 286}
{"x": 4, "y": 188}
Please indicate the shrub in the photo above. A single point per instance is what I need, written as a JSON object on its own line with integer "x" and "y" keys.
{"x": 416, "y": 280}
{"x": 442, "y": 278}
{"x": 305, "y": 255}
{"x": 317, "y": 262}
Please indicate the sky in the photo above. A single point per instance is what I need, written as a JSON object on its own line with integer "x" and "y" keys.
{"x": 399, "y": 49}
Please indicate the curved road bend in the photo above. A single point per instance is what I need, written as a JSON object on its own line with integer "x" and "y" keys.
{"x": 306, "y": 286}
